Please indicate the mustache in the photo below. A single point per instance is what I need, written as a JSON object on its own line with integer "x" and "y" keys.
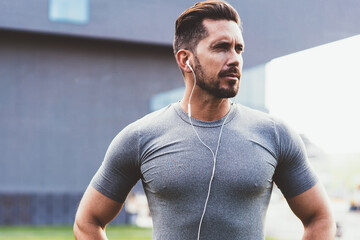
{"x": 230, "y": 71}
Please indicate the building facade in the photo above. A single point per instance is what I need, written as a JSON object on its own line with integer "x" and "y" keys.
{"x": 71, "y": 77}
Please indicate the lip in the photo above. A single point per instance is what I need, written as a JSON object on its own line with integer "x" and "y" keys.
{"x": 233, "y": 77}
{"x": 231, "y": 74}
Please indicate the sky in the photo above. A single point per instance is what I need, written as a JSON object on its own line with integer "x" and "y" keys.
{"x": 317, "y": 91}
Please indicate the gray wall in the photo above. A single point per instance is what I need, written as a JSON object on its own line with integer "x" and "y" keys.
{"x": 63, "y": 100}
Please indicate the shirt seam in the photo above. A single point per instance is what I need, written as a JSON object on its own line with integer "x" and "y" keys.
{"x": 233, "y": 112}
{"x": 277, "y": 141}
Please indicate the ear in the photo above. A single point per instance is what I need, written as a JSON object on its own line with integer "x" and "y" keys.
{"x": 181, "y": 57}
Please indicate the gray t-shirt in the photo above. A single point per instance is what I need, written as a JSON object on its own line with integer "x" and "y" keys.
{"x": 163, "y": 151}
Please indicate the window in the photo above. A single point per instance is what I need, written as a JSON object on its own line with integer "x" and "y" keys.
{"x": 69, "y": 11}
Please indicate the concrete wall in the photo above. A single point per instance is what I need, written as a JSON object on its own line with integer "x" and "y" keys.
{"x": 62, "y": 100}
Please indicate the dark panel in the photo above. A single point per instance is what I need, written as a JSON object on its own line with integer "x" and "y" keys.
{"x": 74, "y": 200}
{"x": 7, "y": 210}
{"x": 39, "y": 209}
{"x": 57, "y": 209}
{"x": 120, "y": 218}
{"x": 25, "y": 212}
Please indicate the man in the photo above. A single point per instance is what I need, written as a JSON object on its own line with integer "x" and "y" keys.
{"x": 207, "y": 165}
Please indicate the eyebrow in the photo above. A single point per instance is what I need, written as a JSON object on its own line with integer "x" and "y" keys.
{"x": 220, "y": 42}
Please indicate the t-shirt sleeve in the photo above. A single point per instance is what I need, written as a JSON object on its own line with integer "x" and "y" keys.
{"x": 293, "y": 174}
{"x": 120, "y": 170}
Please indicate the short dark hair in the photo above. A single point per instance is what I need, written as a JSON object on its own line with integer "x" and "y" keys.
{"x": 189, "y": 28}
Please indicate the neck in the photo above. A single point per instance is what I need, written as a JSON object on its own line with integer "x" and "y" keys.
{"x": 205, "y": 108}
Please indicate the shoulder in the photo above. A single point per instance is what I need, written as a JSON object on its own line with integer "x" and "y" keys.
{"x": 151, "y": 123}
{"x": 253, "y": 115}
{"x": 127, "y": 140}
{"x": 255, "y": 120}
{"x": 155, "y": 120}
{"x": 268, "y": 130}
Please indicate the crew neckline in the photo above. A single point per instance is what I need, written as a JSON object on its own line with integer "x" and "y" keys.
{"x": 199, "y": 123}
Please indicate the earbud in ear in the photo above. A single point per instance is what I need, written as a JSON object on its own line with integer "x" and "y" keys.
{"x": 187, "y": 63}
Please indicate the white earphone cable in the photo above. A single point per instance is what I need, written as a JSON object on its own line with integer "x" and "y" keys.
{"x": 213, "y": 154}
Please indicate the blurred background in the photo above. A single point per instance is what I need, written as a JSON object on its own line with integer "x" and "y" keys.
{"x": 73, "y": 73}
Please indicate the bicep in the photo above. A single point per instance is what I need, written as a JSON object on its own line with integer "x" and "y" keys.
{"x": 96, "y": 208}
{"x": 311, "y": 204}
{"x": 294, "y": 174}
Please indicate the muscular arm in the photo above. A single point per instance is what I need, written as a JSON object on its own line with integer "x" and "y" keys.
{"x": 313, "y": 209}
{"x": 94, "y": 213}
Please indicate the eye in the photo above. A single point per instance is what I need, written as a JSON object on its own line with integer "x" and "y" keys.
{"x": 239, "y": 48}
{"x": 222, "y": 46}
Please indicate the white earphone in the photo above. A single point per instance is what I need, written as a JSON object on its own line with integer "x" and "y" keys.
{"x": 187, "y": 63}
{"x": 189, "y": 106}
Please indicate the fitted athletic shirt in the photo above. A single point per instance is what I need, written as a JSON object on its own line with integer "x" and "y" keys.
{"x": 162, "y": 149}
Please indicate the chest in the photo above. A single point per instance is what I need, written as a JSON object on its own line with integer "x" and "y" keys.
{"x": 183, "y": 168}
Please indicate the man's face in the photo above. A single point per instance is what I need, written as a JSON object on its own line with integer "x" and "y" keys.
{"x": 218, "y": 59}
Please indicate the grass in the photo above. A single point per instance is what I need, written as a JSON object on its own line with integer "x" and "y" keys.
{"x": 65, "y": 233}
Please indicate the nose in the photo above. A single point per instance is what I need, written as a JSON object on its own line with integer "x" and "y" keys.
{"x": 235, "y": 59}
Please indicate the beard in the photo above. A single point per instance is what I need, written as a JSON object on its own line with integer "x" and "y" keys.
{"x": 212, "y": 84}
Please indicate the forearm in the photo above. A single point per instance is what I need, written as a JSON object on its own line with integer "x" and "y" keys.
{"x": 88, "y": 231}
{"x": 319, "y": 229}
